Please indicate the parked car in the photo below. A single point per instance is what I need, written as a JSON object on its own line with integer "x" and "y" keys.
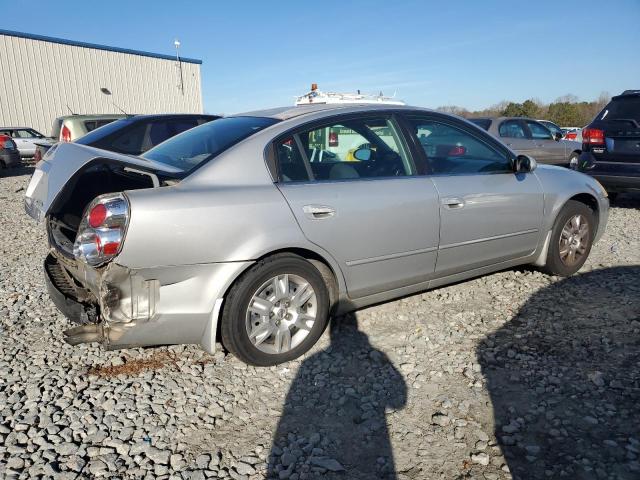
{"x": 71, "y": 127}
{"x": 25, "y": 139}
{"x": 9, "y": 155}
{"x": 611, "y": 144}
{"x": 136, "y": 134}
{"x": 572, "y": 133}
{"x": 230, "y": 225}
{"x": 529, "y": 137}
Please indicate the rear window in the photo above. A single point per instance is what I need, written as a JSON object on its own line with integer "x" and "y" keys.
{"x": 99, "y": 133}
{"x": 199, "y": 145}
{"x": 481, "y": 122}
{"x": 91, "y": 125}
{"x": 625, "y": 108}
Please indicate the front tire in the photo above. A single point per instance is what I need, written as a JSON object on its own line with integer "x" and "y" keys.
{"x": 571, "y": 239}
{"x": 276, "y": 311}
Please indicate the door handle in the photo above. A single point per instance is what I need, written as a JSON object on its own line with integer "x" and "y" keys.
{"x": 453, "y": 202}
{"x": 316, "y": 212}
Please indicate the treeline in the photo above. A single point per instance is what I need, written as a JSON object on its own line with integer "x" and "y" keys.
{"x": 566, "y": 111}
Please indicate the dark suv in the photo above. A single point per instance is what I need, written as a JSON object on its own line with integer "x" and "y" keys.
{"x": 611, "y": 145}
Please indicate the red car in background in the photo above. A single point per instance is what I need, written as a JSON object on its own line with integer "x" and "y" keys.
{"x": 9, "y": 154}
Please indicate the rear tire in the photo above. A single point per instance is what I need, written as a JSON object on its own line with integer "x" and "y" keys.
{"x": 276, "y": 311}
{"x": 574, "y": 160}
{"x": 571, "y": 239}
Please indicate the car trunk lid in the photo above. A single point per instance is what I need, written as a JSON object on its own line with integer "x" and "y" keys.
{"x": 64, "y": 160}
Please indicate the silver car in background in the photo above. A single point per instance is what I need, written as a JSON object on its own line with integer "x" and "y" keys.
{"x": 531, "y": 137}
{"x": 240, "y": 230}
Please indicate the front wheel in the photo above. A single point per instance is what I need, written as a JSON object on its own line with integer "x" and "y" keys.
{"x": 571, "y": 239}
{"x": 276, "y": 311}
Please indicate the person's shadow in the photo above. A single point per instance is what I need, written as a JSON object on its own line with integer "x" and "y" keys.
{"x": 334, "y": 419}
{"x": 564, "y": 379}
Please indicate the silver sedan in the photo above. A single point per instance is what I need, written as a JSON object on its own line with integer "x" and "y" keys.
{"x": 254, "y": 229}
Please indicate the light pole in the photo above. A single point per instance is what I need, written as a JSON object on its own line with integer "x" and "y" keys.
{"x": 176, "y": 42}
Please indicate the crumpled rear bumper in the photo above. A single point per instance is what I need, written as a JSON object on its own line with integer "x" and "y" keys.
{"x": 152, "y": 306}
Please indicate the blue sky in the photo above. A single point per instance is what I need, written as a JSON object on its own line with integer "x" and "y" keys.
{"x": 469, "y": 53}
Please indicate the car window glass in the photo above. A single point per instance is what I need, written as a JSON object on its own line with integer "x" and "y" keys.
{"x": 481, "y": 122}
{"x": 291, "y": 165}
{"x": 132, "y": 140}
{"x": 539, "y": 131}
{"x": 157, "y": 133}
{"x": 512, "y": 129}
{"x": 183, "y": 124}
{"x": 623, "y": 108}
{"x": 203, "y": 143}
{"x": 453, "y": 151}
{"x": 33, "y": 133}
{"x": 553, "y": 127}
{"x": 357, "y": 148}
{"x": 22, "y": 134}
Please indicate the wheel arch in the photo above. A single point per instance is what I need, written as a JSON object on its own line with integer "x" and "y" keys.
{"x": 328, "y": 269}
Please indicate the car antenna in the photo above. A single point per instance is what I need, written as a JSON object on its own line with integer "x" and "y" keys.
{"x": 106, "y": 91}
{"x": 69, "y": 108}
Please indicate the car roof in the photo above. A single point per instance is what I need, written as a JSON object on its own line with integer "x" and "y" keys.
{"x": 169, "y": 115}
{"x": 89, "y": 116}
{"x": 287, "y": 113}
{"x": 16, "y": 128}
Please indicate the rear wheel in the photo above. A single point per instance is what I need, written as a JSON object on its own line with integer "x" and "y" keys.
{"x": 573, "y": 160}
{"x": 571, "y": 239}
{"x": 276, "y": 311}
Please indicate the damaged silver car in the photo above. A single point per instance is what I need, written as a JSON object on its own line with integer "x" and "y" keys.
{"x": 253, "y": 229}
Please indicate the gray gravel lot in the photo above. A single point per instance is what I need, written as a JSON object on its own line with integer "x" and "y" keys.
{"x": 513, "y": 375}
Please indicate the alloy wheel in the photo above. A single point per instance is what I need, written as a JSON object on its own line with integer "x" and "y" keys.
{"x": 574, "y": 240}
{"x": 281, "y": 313}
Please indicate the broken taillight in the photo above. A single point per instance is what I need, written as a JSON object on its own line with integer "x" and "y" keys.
{"x": 102, "y": 229}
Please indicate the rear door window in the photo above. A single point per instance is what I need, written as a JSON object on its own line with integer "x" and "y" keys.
{"x": 512, "y": 129}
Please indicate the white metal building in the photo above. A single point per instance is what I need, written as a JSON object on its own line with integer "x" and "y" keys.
{"x": 42, "y": 78}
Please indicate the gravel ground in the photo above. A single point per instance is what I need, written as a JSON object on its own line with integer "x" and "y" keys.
{"x": 513, "y": 375}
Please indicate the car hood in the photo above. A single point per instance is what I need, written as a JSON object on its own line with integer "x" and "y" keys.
{"x": 64, "y": 160}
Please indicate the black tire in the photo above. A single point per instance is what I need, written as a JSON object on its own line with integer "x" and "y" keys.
{"x": 554, "y": 264}
{"x": 233, "y": 322}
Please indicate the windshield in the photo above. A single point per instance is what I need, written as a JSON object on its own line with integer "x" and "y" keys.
{"x": 198, "y": 145}
{"x": 622, "y": 109}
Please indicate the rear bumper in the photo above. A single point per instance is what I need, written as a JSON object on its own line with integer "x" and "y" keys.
{"x": 614, "y": 176}
{"x": 10, "y": 158}
{"x": 155, "y": 306}
{"x": 62, "y": 291}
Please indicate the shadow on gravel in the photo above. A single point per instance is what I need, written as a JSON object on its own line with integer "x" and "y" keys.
{"x": 333, "y": 422}
{"x": 16, "y": 172}
{"x": 564, "y": 379}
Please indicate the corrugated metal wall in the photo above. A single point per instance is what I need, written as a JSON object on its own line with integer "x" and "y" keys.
{"x": 39, "y": 79}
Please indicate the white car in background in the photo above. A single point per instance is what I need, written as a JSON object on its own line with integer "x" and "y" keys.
{"x": 25, "y": 139}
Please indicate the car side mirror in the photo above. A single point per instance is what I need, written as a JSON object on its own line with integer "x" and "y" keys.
{"x": 557, "y": 136}
{"x": 362, "y": 154}
{"x": 525, "y": 164}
